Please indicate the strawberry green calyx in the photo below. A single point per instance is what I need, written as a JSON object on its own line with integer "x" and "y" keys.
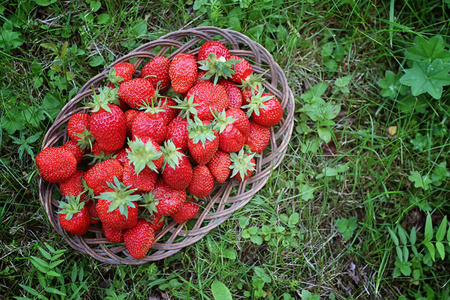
{"x": 150, "y": 107}
{"x": 186, "y": 106}
{"x": 86, "y": 139}
{"x": 200, "y": 132}
{"x": 217, "y": 67}
{"x": 104, "y": 97}
{"x": 257, "y": 103}
{"x": 253, "y": 81}
{"x": 149, "y": 202}
{"x": 222, "y": 121}
{"x": 241, "y": 163}
{"x": 113, "y": 78}
{"x": 171, "y": 154}
{"x": 121, "y": 197}
{"x": 71, "y": 207}
{"x": 142, "y": 155}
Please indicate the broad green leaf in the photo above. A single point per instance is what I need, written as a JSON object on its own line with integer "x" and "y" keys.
{"x": 294, "y": 219}
{"x": 55, "y": 291}
{"x": 44, "y": 2}
{"x": 327, "y": 171}
{"x": 405, "y": 253}
{"x": 419, "y": 181}
{"x": 343, "y": 81}
{"x": 391, "y": 86}
{"x": 256, "y": 239}
{"x": 229, "y": 253}
{"x": 424, "y": 77}
{"x": 440, "y": 234}
{"x": 324, "y": 134}
{"x": 402, "y": 235}
{"x": 315, "y": 92}
{"x": 431, "y": 249}
{"x": 306, "y": 191}
{"x": 220, "y": 291}
{"x": 96, "y": 61}
{"x": 413, "y": 236}
{"x": 29, "y": 289}
{"x": 394, "y": 237}
{"x": 426, "y": 50}
{"x": 428, "y": 228}
{"x": 140, "y": 28}
{"x": 261, "y": 273}
{"x": 440, "y": 249}
{"x": 103, "y": 19}
{"x": 346, "y": 227}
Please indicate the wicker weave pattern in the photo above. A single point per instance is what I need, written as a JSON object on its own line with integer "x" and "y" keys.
{"x": 226, "y": 198}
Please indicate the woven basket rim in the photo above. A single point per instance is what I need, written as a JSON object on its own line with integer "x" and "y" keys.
{"x": 228, "y": 197}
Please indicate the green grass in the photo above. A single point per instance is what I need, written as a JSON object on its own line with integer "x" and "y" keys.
{"x": 286, "y": 241}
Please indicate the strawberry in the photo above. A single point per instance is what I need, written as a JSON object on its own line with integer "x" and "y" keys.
{"x": 219, "y": 50}
{"x": 56, "y": 164}
{"x": 168, "y": 199}
{"x": 233, "y": 93}
{"x": 149, "y": 126}
{"x": 121, "y": 72}
{"x": 139, "y": 239}
{"x": 129, "y": 116}
{"x": 76, "y": 150}
{"x": 259, "y": 137}
{"x": 91, "y": 206}
{"x": 112, "y": 234}
{"x": 177, "y": 132}
{"x": 145, "y": 154}
{"x": 168, "y": 111}
{"x": 74, "y": 216}
{"x": 233, "y": 127}
{"x": 219, "y": 165}
{"x": 116, "y": 207}
{"x": 100, "y": 174}
{"x": 136, "y": 92}
{"x": 156, "y": 221}
{"x": 242, "y": 164}
{"x": 183, "y": 72}
{"x": 107, "y": 124}
{"x": 242, "y": 70}
{"x": 265, "y": 109}
{"x": 143, "y": 182}
{"x": 156, "y": 72}
{"x": 78, "y": 130}
{"x": 203, "y": 141}
{"x": 189, "y": 209}
{"x": 122, "y": 156}
{"x": 202, "y": 182}
{"x": 74, "y": 186}
{"x": 207, "y": 98}
{"x": 177, "y": 169}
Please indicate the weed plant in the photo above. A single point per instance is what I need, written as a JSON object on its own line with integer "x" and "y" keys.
{"x": 359, "y": 209}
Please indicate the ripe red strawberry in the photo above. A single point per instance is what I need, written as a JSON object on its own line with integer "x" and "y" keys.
{"x": 139, "y": 239}
{"x": 177, "y": 132}
{"x": 177, "y": 169}
{"x": 76, "y": 150}
{"x": 136, "y": 92}
{"x": 99, "y": 153}
{"x": 259, "y": 137}
{"x": 242, "y": 70}
{"x": 143, "y": 182}
{"x": 183, "y": 72}
{"x": 56, "y": 164}
{"x": 189, "y": 209}
{"x": 112, "y": 234}
{"x": 74, "y": 216}
{"x": 100, "y": 174}
{"x": 121, "y": 72}
{"x": 243, "y": 164}
{"x": 233, "y": 93}
{"x": 145, "y": 154}
{"x": 219, "y": 166}
{"x": 168, "y": 111}
{"x": 217, "y": 48}
{"x": 107, "y": 124}
{"x": 78, "y": 130}
{"x": 247, "y": 94}
{"x": 91, "y": 206}
{"x": 156, "y": 222}
{"x": 234, "y": 127}
{"x": 117, "y": 207}
{"x": 129, "y": 116}
{"x": 207, "y": 98}
{"x": 74, "y": 186}
{"x": 157, "y": 72}
{"x": 203, "y": 141}
{"x": 265, "y": 109}
{"x": 168, "y": 200}
{"x": 149, "y": 126}
{"x": 122, "y": 156}
{"x": 202, "y": 182}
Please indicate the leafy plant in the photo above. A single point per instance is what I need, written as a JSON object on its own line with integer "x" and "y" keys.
{"x": 347, "y": 227}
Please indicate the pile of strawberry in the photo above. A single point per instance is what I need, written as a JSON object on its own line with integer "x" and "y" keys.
{"x": 154, "y": 142}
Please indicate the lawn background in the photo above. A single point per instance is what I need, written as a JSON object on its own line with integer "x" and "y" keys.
{"x": 359, "y": 207}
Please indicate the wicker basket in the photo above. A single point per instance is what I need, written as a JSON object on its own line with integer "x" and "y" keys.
{"x": 226, "y": 198}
